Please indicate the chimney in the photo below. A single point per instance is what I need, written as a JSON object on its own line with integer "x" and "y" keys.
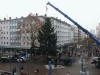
{"x": 56, "y": 17}
{"x": 9, "y": 18}
{"x": 21, "y": 16}
{"x": 16, "y": 17}
{"x": 45, "y": 15}
{"x": 4, "y": 18}
{"x": 36, "y": 14}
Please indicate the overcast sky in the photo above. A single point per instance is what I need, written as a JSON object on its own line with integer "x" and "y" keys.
{"x": 85, "y": 12}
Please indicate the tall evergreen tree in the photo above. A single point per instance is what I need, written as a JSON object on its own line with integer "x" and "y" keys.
{"x": 47, "y": 38}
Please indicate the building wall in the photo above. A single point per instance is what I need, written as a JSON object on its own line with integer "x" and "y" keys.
{"x": 63, "y": 30}
{"x": 76, "y": 34}
{"x": 14, "y": 42}
{"x": 5, "y": 33}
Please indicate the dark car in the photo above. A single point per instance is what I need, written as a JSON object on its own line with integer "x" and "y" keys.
{"x": 4, "y": 59}
{"x": 67, "y": 59}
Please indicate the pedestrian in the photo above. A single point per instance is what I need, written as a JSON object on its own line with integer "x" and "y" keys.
{"x": 2, "y": 73}
{"x": 14, "y": 71}
{"x": 55, "y": 62}
{"x": 22, "y": 70}
{"x": 68, "y": 73}
{"x": 36, "y": 71}
{"x": 52, "y": 61}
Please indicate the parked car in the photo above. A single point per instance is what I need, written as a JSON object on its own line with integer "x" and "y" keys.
{"x": 4, "y": 59}
{"x": 21, "y": 59}
{"x": 67, "y": 59}
{"x": 96, "y": 61}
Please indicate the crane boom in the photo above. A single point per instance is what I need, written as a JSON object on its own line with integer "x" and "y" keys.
{"x": 79, "y": 26}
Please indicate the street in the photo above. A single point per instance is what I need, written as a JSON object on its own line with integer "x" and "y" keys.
{"x": 43, "y": 70}
{"x": 76, "y": 68}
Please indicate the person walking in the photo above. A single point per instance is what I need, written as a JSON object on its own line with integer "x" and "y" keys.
{"x": 68, "y": 73}
{"x": 36, "y": 71}
{"x": 55, "y": 62}
{"x": 22, "y": 70}
{"x": 14, "y": 71}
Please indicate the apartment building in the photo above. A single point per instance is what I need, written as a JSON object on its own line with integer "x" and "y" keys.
{"x": 8, "y": 28}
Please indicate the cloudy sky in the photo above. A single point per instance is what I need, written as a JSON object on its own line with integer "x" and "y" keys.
{"x": 85, "y": 12}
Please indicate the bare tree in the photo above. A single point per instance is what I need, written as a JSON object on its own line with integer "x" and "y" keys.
{"x": 28, "y": 31}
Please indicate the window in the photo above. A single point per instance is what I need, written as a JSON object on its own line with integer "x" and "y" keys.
{"x": 7, "y": 42}
{"x": 24, "y": 43}
{"x": 7, "y": 27}
{"x": 11, "y": 33}
{"x": 11, "y": 43}
{"x": 10, "y": 27}
{"x": 10, "y": 22}
{"x": 27, "y": 44}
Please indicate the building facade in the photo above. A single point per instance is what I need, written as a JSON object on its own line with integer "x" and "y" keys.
{"x": 8, "y": 28}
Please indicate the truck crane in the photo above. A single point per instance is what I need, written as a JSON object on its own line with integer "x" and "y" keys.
{"x": 79, "y": 26}
{"x": 95, "y": 61}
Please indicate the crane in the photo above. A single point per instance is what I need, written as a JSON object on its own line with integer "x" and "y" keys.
{"x": 78, "y": 25}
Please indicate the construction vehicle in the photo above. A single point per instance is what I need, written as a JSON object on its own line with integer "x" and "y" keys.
{"x": 80, "y": 27}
